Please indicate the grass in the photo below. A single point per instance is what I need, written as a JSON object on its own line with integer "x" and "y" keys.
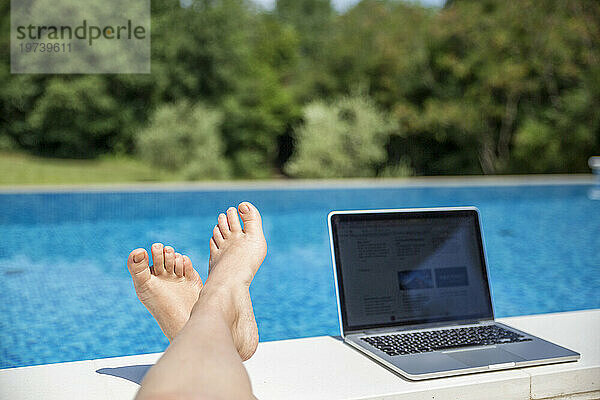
{"x": 21, "y": 169}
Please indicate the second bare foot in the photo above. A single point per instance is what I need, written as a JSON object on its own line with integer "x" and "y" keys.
{"x": 236, "y": 253}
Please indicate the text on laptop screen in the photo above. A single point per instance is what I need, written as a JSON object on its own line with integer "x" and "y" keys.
{"x": 410, "y": 268}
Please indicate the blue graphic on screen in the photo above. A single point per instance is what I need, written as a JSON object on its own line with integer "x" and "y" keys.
{"x": 419, "y": 279}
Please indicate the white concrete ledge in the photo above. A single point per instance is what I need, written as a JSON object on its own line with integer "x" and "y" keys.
{"x": 326, "y": 368}
{"x": 299, "y": 184}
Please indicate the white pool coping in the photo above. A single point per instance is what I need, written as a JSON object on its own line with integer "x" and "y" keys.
{"x": 326, "y": 368}
{"x": 299, "y": 184}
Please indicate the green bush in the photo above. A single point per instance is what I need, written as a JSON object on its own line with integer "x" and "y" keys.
{"x": 343, "y": 139}
{"x": 397, "y": 170}
{"x": 74, "y": 119}
{"x": 185, "y": 138}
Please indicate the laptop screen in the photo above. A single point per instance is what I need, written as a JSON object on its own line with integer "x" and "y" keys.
{"x": 410, "y": 267}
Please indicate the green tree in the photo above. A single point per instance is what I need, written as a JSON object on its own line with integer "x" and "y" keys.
{"x": 185, "y": 138}
{"x": 74, "y": 118}
{"x": 217, "y": 52}
{"x": 17, "y": 92}
{"x": 466, "y": 81}
{"x": 562, "y": 138}
{"x": 380, "y": 48}
{"x": 314, "y": 23}
{"x": 507, "y": 67}
{"x": 311, "y": 18}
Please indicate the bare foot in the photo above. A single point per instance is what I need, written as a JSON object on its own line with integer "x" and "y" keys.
{"x": 235, "y": 256}
{"x": 169, "y": 289}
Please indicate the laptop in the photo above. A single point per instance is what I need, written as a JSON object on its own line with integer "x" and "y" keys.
{"x": 413, "y": 294}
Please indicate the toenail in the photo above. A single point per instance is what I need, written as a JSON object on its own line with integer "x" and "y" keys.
{"x": 138, "y": 257}
{"x": 244, "y": 208}
{"x": 156, "y": 245}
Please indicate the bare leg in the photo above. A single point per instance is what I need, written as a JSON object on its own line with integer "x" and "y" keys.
{"x": 204, "y": 361}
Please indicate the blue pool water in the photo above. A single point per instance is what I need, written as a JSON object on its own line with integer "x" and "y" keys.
{"x": 66, "y": 294}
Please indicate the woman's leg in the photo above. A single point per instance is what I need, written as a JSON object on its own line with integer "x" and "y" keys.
{"x": 204, "y": 361}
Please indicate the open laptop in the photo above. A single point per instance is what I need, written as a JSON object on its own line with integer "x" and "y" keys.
{"x": 413, "y": 294}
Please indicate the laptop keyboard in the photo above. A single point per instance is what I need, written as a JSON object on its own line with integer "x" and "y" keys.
{"x": 427, "y": 341}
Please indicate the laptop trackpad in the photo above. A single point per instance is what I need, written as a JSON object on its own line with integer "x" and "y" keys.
{"x": 481, "y": 357}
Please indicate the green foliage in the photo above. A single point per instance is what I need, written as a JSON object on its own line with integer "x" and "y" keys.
{"x": 463, "y": 82}
{"x": 344, "y": 139}
{"x": 185, "y": 138}
{"x": 311, "y": 18}
{"x": 500, "y": 65}
{"x": 78, "y": 119}
{"x": 254, "y": 118}
{"x": 485, "y": 86}
{"x": 398, "y": 170}
{"x": 7, "y": 144}
{"x": 224, "y": 54}
{"x": 314, "y": 23}
{"x": 521, "y": 68}
{"x": 559, "y": 137}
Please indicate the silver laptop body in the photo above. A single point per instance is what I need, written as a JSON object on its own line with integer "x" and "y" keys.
{"x": 405, "y": 274}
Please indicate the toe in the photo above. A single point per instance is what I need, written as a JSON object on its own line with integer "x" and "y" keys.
{"x": 233, "y": 220}
{"x": 138, "y": 267}
{"x": 224, "y": 225}
{"x": 251, "y": 218}
{"x": 178, "y": 265}
{"x": 169, "y": 259}
{"x": 188, "y": 270}
{"x": 158, "y": 258}
{"x": 217, "y": 236}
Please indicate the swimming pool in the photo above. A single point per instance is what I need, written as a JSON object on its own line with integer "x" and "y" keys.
{"x": 67, "y": 295}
